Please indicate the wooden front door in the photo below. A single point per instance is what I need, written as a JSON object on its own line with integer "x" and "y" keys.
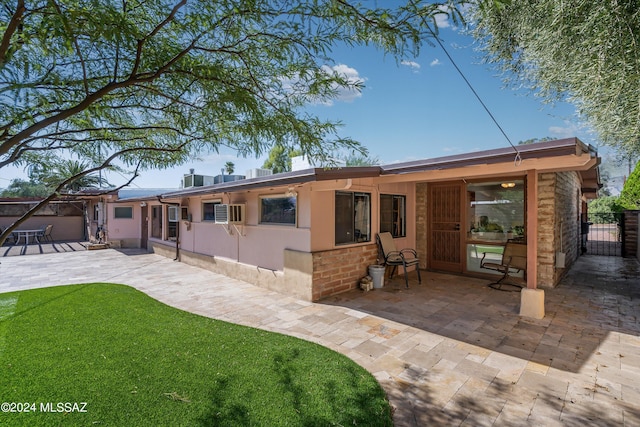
{"x": 445, "y": 221}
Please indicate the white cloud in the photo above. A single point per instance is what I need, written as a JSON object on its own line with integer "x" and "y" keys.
{"x": 451, "y": 150}
{"x": 435, "y": 63}
{"x": 345, "y": 94}
{"x": 442, "y": 19}
{"x": 564, "y": 132}
{"x": 352, "y": 76}
{"x": 415, "y": 67}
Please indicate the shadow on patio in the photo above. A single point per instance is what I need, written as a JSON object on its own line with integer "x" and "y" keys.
{"x": 43, "y": 248}
{"x": 599, "y": 296}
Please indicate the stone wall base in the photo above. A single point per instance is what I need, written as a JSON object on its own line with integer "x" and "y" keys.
{"x": 295, "y": 280}
{"x": 308, "y": 276}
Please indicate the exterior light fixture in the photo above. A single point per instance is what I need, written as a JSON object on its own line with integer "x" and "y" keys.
{"x": 508, "y": 184}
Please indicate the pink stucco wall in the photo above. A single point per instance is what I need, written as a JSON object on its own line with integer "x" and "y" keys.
{"x": 119, "y": 228}
{"x": 263, "y": 245}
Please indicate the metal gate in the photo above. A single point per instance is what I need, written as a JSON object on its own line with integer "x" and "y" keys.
{"x": 603, "y": 234}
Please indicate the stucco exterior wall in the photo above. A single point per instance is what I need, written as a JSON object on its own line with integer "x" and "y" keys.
{"x": 309, "y": 276}
{"x": 64, "y": 227}
{"x": 303, "y": 260}
{"x": 123, "y": 228}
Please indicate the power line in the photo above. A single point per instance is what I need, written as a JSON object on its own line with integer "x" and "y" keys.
{"x": 518, "y": 159}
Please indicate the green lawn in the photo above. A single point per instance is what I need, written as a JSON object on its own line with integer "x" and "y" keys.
{"x": 138, "y": 362}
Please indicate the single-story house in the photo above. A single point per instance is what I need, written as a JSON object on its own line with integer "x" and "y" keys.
{"x": 311, "y": 232}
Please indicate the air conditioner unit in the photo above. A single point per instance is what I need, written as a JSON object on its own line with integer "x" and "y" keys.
{"x": 229, "y": 214}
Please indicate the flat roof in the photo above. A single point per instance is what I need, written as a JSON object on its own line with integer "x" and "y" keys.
{"x": 536, "y": 150}
{"x": 280, "y": 179}
{"x": 545, "y": 149}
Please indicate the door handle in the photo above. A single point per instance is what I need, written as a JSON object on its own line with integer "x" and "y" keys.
{"x": 457, "y": 227}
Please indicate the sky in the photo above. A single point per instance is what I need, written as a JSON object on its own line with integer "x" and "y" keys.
{"x": 409, "y": 109}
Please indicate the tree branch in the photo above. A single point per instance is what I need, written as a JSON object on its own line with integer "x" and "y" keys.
{"x": 13, "y": 25}
{"x": 67, "y": 27}
{"x": 57, "y": 191}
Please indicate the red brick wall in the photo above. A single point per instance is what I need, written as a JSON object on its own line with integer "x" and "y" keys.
{"x": 340, "y": 270}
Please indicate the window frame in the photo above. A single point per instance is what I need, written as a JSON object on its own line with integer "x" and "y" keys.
{"x": 261, "y": 221}
{"x": 401, "y": 212}
{"x": 117, "y": 208}
{"x": 354, "y": 220}
{"x": 173, "y": 219}
{"x": 173, "y": 213}
{"x": 212, "y": 202}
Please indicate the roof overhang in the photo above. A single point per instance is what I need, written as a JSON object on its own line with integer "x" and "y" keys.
{"x": 568, "y": 154}
{"x": 553, "y": 156}
{"x": 280, "y": 180}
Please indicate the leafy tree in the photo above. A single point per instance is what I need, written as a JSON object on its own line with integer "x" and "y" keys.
{"x": 229, "y": 167}
{"x": 279, "y": 159}
{"x": 23, "y": 188}
{"x": 148, "y": 84}
{"x": 582, "y": 51}
{"x": 630, "y": 195}
{"x": 534, "y": 140}
{"x": 603, "y": 210}
{"x": 359, "y": 160}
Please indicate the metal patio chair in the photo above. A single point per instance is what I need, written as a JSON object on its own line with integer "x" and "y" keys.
{"x": 514, "y": 260}
{"x": 46, "y": 233}
{"x": 392, "y": 257}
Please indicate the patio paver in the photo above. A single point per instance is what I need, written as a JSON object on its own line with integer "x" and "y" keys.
{"x": 448, "y": 352}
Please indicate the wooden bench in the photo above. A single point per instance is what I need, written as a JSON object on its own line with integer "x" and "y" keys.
{"x": 514, "y": 260}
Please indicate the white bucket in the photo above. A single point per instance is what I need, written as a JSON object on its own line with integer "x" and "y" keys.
{"x": 377, "y": 274}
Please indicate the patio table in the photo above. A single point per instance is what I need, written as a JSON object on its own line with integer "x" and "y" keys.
{"x": 26, "y": 234}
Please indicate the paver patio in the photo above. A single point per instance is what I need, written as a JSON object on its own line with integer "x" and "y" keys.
{"x": 448, "y": 352}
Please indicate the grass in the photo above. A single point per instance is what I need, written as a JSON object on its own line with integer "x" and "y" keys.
{"x": 136, "y": 361}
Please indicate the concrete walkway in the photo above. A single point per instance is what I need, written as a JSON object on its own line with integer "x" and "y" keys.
{"x": 448, "y": 352}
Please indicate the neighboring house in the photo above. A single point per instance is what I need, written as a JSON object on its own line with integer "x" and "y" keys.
{"x": 311, "y": 233}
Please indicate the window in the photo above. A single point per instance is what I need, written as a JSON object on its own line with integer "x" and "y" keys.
{"x": 184, "y": 213}
{"x": 208, "y": 211}
{"x": 353, "y": 217}
{"x": 123, "y": 212}
{"x": 278, "y": 210}
{"x": 172, "y": 213}
{"x": 392, "y": 214}
{"x": 496, "y": 212}
{"x": 172, "y": 220}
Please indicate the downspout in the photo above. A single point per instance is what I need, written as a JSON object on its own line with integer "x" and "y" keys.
{"x": 177, "y": 227}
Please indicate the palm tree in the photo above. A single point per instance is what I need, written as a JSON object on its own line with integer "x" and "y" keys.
{"x": 70, "y": 168}
{"x": 229, "y": 167}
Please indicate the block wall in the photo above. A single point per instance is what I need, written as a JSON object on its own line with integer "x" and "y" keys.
{"x": 558, "y": 224}
{"x": 340, "y": 270}
{"x": 421, "y": 223}
{"x": 631, "y": 238}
